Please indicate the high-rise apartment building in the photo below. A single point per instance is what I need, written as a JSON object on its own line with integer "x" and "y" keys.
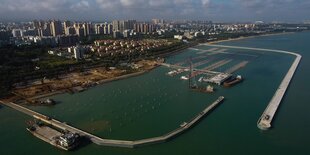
{"x": 56, "y": 28}
{"x": 66, "y": 25}
{"x": 87, "y": 29}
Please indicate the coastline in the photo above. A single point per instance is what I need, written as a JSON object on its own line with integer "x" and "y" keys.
{"x": 150, "y": 69}
{"x": 38, "y": 97}
{"x": 249, "y": 37}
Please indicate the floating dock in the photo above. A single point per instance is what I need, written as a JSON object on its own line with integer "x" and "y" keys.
{"x": 237, "y": 67}
{"x": 200, "y": 63}
{"x": 117, "y": 143}
{"x": 205, "y": 51}
{"x": 218, "y": 79}
{"x": 217, "y": 64}
{"x": 181, "y": 67}
{"x": 264, "y": 122}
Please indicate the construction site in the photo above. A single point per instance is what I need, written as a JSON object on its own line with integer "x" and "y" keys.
{"x": 35, "y": 91}
{"x": 207, "y": 68}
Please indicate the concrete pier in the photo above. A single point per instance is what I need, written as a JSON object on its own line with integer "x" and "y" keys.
{"x": 181, "y": 67}
{"x": 116, "y": 143}
{"x": 264, "y": 122}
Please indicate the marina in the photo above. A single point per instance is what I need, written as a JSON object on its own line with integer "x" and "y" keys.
{"x": 113, "y": 111}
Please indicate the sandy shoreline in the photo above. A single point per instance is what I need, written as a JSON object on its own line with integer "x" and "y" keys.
{"x": 249, "y": 37}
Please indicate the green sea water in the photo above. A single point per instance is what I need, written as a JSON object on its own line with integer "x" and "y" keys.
{"x": 154, "y": 104}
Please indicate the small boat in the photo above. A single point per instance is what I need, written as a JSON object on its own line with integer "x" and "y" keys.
{"x": 233, "y": 81}
{"x": 210, "y": 89}
{"x": 184, "y": 78}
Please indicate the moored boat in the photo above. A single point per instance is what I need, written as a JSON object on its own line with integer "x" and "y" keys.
{"x": 233, "y": 81}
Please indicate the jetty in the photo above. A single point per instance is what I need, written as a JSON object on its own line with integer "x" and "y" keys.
{"x": 236, "y": 67}
{"x": 265, "y": 120}
{"x": 111, "y": 142}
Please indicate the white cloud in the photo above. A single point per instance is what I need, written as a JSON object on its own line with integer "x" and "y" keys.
{"x": 32, "y": 5}
{"x": 105, "y": 4}
{"x": 145, "y": 9}
{"x": 80, "y": 6}
{"x": 205, "y": 2}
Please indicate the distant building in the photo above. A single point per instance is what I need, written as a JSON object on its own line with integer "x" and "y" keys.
{"x": 99, "y": 29}
{"x": 79, "y": 31}
{"x": 109, "y": 29}
{"x": 30, "y": 32}
{"x": 87, "y": 29}
{"x": 78, "y": 52}
{"x": 36, "y": 24}
{"x": 179, "y": 37}
{"x": 4, "y": 35}
{"x": 123, "y": 25}
{"x": 67, "y": 40}
{"x": 45, "y": 41}
{"x": 67, "y": 25}
{"x": 198, "y": 34}
{"x": 117, "y": 34}
{"x": 144, "y": 28}
{"x": 70, "y": 31}
{"x": 56, "y": 28}
{"x": 45, "y": 30}
{"x": 158, "y": 21}
{"x": 116, "y": 25}
{"x": 17, "y": 33}
{"x": 126, "y": 33}
{"x": 189, "y": 35}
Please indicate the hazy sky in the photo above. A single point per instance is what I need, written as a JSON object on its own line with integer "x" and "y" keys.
{"x": 100, "y": 10}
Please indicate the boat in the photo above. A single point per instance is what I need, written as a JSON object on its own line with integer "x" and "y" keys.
{"x": 210, "y": 89}
{"x": 64, "y": 140}
{"x": 233, "y": 81}
{"x": 172, "y": 73}
{"x": 200, "y": 79}
{"x": 183, "y": 124}
{"x": 48, "y": 102}
{"x": 184, "y": 78}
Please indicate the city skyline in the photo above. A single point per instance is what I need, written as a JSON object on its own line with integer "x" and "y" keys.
{"x": 102, "y": 10}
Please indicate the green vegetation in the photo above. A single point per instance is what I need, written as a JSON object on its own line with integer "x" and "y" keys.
{"x": 18, "y": 65}
{"x": 51, "y": 61}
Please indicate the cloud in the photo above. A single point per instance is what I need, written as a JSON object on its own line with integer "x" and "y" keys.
{"x": 80, "y": 6}
{"x": 206, "y": 2}
{"x": 238, "y": 10}
{"x": 32, "y": 5}
{"x": 151, "y": 4}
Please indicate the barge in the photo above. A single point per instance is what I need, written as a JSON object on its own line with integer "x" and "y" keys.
{"x": 64, "y": 140}
{"x": 233, "y": 81}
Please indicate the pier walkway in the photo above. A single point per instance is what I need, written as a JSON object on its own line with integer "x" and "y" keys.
{"x": 266, "y": 118}
{"x": 116, "y": 143}
{"x": 195, "y": 69}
